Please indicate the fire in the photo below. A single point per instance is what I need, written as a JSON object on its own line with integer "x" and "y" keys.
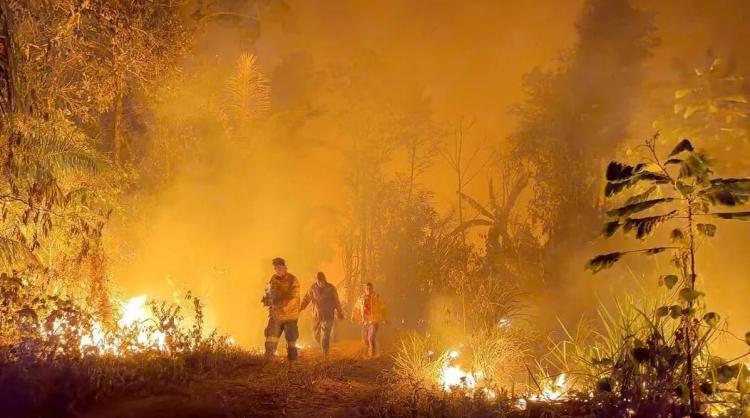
{"x": 453, "y": 377}
{"x": 134, "y": 309}
{"x": 555, "y": 391}
{"x": 133, "y": 315}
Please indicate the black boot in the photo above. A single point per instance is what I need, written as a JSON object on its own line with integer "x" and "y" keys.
{"x": 291, "y": 353}
{"x": 270, "y": 350}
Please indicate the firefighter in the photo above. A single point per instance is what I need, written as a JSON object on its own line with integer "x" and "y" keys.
{"x": 282, "y": 299}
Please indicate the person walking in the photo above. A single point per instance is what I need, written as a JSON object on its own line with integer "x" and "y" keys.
{"x": 370, "y": 312}
{"x": 282, "y": 299}
{"x": 325, "y": 303}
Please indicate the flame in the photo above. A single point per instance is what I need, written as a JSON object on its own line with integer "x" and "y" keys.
{"x": 452, "y": 377}
{"x": 554, "y": 391}
{"x": 133, "y": 310}
{"x": 133, "y": 314}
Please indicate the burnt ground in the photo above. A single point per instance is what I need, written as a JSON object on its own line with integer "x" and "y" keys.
{"x": 343, "y": 386}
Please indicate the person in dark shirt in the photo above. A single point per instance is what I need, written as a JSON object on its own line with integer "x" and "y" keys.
{"x": 325, "y": 306}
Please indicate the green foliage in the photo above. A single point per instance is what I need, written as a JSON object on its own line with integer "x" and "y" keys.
{"x": 692, "y": 191}
{"x": 637, "y": 207}
{"x": 689, "y": 191}
{"x": 603, "y": 261}
{"x": 669, "y": 280}
{"x": 56, "y": 187}
{"x": 710, "y": 108}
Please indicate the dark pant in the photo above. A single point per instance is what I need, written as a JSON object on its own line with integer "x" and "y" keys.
{"x": 370, "y": 337}
{"x": 273, "y": 333}
{"x": 322, "y": 331}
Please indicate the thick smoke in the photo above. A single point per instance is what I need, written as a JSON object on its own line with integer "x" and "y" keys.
{"x": 241, "y": 191}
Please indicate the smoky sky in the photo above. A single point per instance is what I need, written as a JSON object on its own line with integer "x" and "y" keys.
{"x": 215, "y": 228}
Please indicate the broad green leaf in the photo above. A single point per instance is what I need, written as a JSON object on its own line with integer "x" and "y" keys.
{"x": 689, "y": 295}
{"x": 724, "y": 197}
{"x": 662, "y": 311}
{"x": 645, "y": 226}
{"x": 725, "y": 373}
{"x": 610, "y": 228}
{"x": 683, "y": 188}
{"x": 658, "y": 178}
{"x": 707, "y": 388}
{"x": 736, "y": 185}
{"x": 692, "y": 166}
{"x": 619, "y": 172}
{"x": 669, "y": 280}
{"x": 711, "y": 318}
{"x": 602, "y": 262}
{"x": 743, "y": 379}
{"x": 708, "y": 230}
{"x": 611, "y": 189}
{"x": 637, "y": 207}
{"x": 741, "y": 216}
{"x": 641, "y": 197}
{"x": 677, "y": 235}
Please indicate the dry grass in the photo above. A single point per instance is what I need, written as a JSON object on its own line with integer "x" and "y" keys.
{"x": 417, "y": 363}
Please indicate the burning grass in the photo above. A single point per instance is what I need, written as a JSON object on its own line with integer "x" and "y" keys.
{"x": 483, "y": 374}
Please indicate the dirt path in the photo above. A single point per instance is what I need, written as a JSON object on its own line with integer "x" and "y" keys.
{"x": 343, "y": 386}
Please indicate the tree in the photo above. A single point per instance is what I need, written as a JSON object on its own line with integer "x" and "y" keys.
{"x": 712, "y": 107}
{"x": 63, "y": 64}
{"x": 81, "y": 57}
{"x": 462, "y": 166}
{"x": 565, "y": 131}
{"x": 56, "y": 194}
{"x": 501, "y": 240}
{"x": 681, "y": 190}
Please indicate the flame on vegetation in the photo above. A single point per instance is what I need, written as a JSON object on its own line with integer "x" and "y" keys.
{"x": 134, "y": 315}
{"x": 554, "y": 391}
{"x": 453, "y": 377}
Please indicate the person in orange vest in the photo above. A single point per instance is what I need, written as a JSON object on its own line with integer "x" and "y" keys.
{"x": 370, "y": 312}
{"x": 282, "y": 299}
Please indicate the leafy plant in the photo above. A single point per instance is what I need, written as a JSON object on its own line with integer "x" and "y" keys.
{"x": 712, "y": 107}
{"x": 689, "y": 197}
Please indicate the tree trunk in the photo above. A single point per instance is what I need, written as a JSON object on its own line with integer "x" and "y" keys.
{"x": 117, "y": 137}
{"x": 8, "y": 100}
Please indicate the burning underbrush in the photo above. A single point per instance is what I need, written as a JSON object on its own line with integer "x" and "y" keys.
{"x": 485, "y": 374}
{"x": 58, "y": 357}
